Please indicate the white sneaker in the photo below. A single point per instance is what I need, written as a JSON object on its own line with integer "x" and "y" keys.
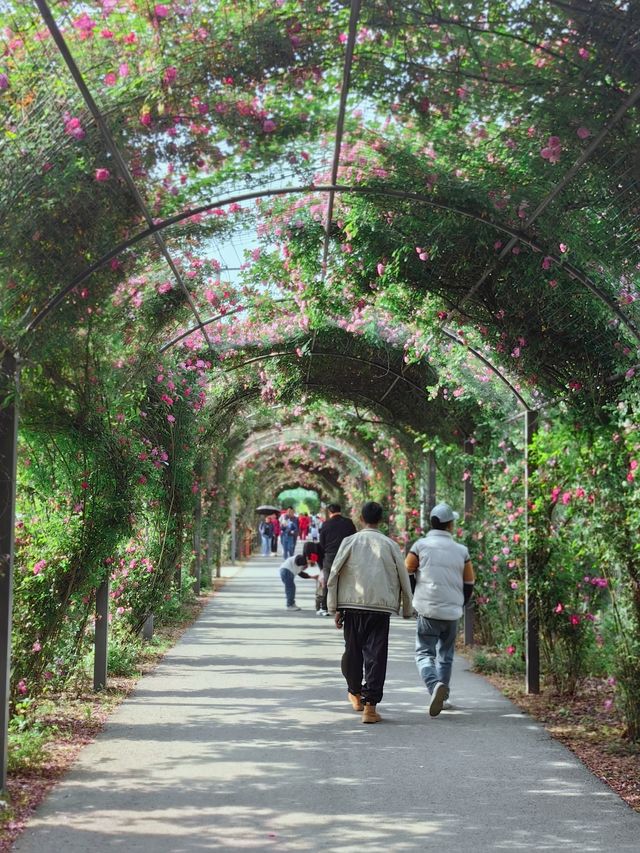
{"x": 293, "y": 607}
{"x": 440, "y": 693}
{"x": 321, "y": 612}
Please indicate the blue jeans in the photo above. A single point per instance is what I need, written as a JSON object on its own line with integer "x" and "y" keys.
{"x": 288, "y": 545}
{"x": 288, "y": 579}
{"x": 266, "y": 545}
{"x": 435, "y": 645}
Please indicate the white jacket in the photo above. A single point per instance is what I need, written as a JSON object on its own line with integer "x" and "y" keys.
{"x": 368, "y": 573}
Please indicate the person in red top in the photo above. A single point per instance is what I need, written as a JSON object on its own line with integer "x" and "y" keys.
{"x": 303, "y": 524}
{"x": 275, "y": 524}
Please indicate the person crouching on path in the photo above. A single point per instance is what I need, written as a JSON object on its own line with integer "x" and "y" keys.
{"x": 291, "y": 567}
{"x": 368, "y": 582}
{"x": 444, "y": 584}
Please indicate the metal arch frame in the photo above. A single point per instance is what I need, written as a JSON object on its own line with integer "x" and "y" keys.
{"x": 456, "y": 338}
{"x": 360, "y": 360}
{"x": 342, "y": 109}
{"x": 176, "y": 340}
{"x": 492, "y": 367}
{"x": 309, "y": 480}
{"x": 562, "y": 183}
{"x": 289, "y": 434}
{"x": 401, "y": 195}
{"x": 329, "y": 481}
{"x": 113, "y": 149}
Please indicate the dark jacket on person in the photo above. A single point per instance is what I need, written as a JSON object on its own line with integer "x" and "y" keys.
{"x": 332, "y": 532}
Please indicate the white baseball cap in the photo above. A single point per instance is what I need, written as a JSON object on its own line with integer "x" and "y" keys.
{"x": 444, "y": 513}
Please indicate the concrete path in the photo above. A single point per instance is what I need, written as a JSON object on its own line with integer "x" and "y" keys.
{"x": 243, "y": 739}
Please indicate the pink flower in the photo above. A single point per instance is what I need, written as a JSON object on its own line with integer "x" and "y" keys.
{"x": 546, "y": 263}
{"x": 583, "y": 132}
{"x": 22, "y": 687}
{"x": 269, "y": 126}
{"x": 36, "y": 647}
{"x": 171, "y": 419}
{"x": 74, "y": 128}
{"x": 510, "y": 650}
{"x": 574, "y": 619}
{"x": 566, "y": 497}
{"x": 552, "y": 150}
{"x": 110, "y": 79}
{"x": 380, "y": 269}
{"x": 123, "y": 69}
{"x": 102, "y": 175}
{"x": 558, "y": 608}
{"x": 39, "y": 566}
{"x": 4, "y": 82}
{"x": 85, "y": 26}
{"x": 161, "y": 10}
{"x": 170, "y": 74}
{"x": 583, "y": 53}
{"x": 145, "y": 119}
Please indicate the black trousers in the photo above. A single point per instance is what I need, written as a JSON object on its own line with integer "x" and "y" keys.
{"x": 364, "y": 662}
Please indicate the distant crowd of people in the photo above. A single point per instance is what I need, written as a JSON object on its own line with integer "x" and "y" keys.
{"x": 362, "y": 578}
{"x": 286, "y": 528}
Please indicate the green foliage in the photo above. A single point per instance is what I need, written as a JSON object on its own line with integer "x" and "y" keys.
{"x": 28, "y": 738}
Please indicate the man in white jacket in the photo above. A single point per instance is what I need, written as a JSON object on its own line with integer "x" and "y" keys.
{"x": 368, "y": 582}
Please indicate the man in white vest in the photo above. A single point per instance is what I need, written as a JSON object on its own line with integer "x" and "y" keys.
{"x": 444, "y": 584}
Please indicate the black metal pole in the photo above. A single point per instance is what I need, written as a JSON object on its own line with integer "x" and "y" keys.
{"x": 8, "y": 460}
{"x": 469, "y": 613}
{"x": 197, "y": 544}
{"x": 532, "y": 638}
{"x": 234, "y": 532}
{"x": 431, "y": 482}
{"x": 101, "y": 641}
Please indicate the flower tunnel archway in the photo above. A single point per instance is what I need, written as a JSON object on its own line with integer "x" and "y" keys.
{"x": 389, "y": 227}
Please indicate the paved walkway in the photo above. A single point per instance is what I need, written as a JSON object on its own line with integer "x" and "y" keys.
{"x": 242, "y": 739}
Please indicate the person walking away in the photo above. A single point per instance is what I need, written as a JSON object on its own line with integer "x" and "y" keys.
{"x": 314, "y": 528}
{"x": 444, "y": 584}
{"x": 334, "y": 530}
{"x": 303, "y": 524}
{"x": 266, "y": 532}
{"x": 292, "y": 567}
{"x": 276, "y": 534}
{"x": 368, "y": 582}
{"x": 289, "y": 533}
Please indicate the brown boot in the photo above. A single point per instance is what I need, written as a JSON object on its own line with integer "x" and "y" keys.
{"x": 356, "y": 701}
{"x": 370, "y": 715}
